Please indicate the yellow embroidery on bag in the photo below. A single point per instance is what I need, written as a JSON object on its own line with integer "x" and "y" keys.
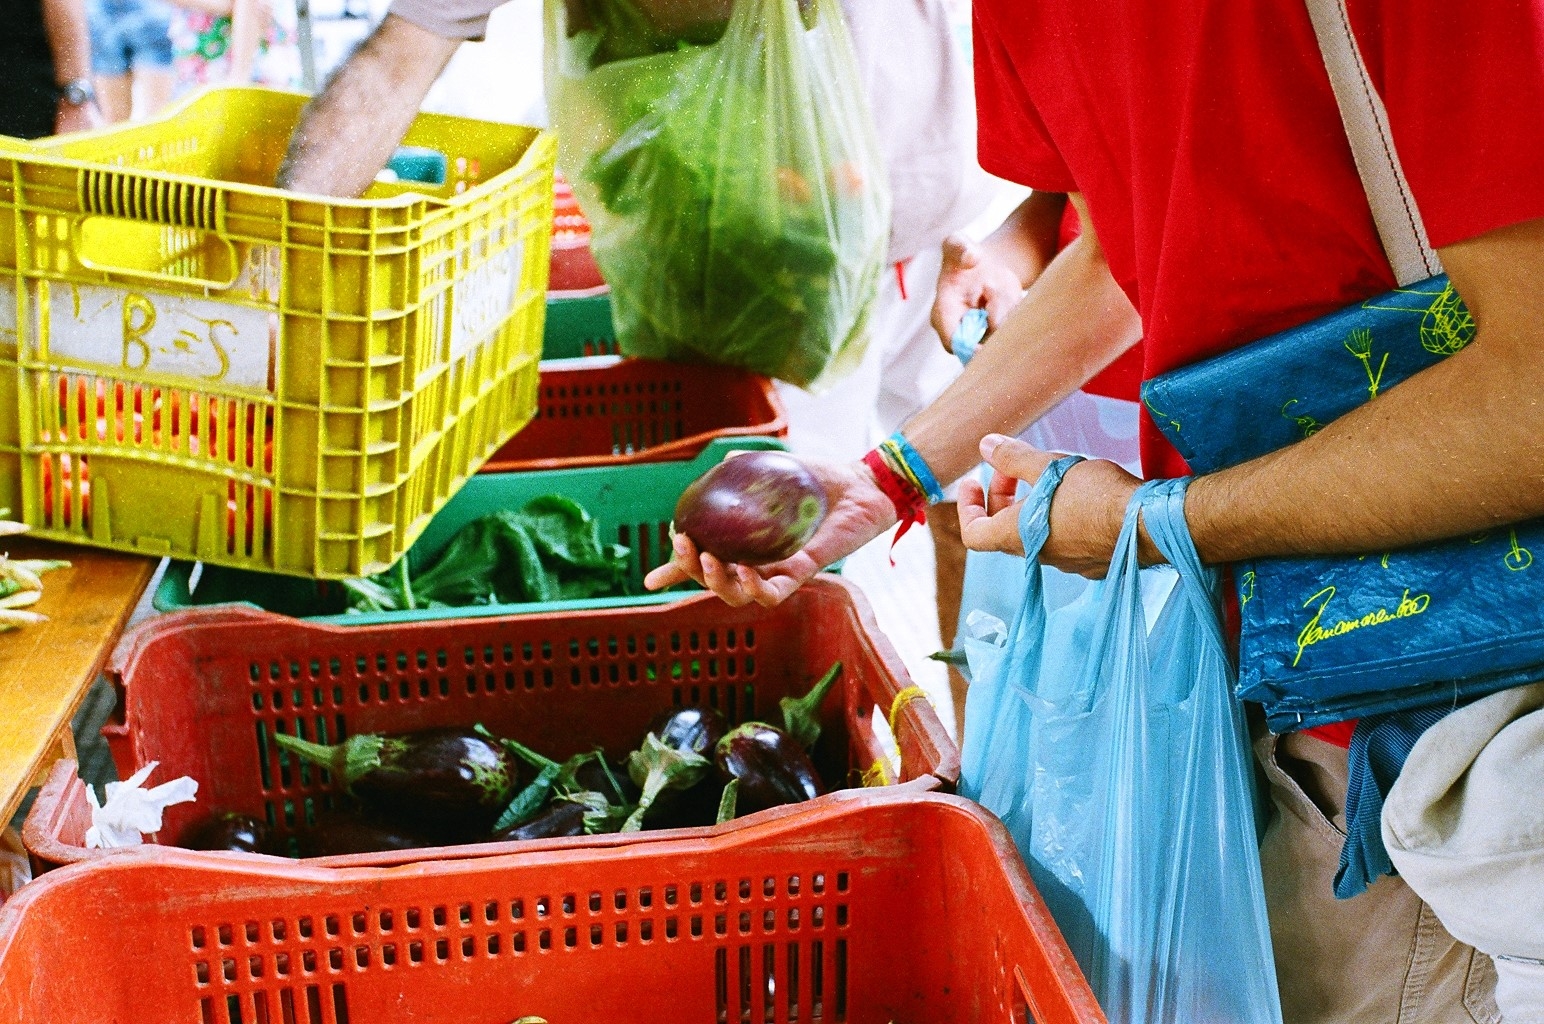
{"x": 1519, "y": 558}
{"x": 1359, "y": 344}
{"x": 1314, "y": 633}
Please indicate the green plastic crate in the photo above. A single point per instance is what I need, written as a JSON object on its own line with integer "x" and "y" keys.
{"x": 578, "y": 327}
{"x": 633, "y": 504}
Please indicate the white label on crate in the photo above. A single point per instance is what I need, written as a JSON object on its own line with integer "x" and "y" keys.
{"x": 124, "y": 329}
{"x": 481, "y": 300}
{"x": 7, "y": 313}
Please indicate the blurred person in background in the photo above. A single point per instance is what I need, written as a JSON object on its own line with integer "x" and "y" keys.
{"x": 45, "y": 51}
{"x": 235, "y": 42}
{"x": 131, "y": 51}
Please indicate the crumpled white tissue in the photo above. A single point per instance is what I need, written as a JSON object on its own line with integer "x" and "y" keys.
{"x": 130, "y": 812}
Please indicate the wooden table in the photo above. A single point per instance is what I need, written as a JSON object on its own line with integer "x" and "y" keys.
{"x": 46, "y": 668}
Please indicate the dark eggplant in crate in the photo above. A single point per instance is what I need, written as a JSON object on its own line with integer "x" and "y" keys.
{"x": 562, "y": 683}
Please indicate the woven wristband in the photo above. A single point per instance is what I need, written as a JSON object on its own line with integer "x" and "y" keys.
{"x": 902, "y": 481}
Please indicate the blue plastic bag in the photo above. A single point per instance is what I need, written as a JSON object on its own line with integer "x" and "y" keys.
{"x": 1118, "y": 756}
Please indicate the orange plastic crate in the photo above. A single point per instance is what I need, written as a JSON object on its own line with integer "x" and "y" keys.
{"x": 890, "y": 909}
{"x": 203, "y": 691}
{"x": 617, "y": 412}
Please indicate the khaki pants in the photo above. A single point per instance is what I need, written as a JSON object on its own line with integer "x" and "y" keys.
{"x": 1380, "y": 958}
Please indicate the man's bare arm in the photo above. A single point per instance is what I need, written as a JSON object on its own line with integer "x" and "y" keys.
{"x": 350, "y": 130}
{"x": 1454, "y": 449}
{"x": 1074, "y": 322}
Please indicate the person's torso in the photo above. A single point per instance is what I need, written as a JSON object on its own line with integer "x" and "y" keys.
{"x": 1206, "y": 139}
{"x": 918, "y": 83}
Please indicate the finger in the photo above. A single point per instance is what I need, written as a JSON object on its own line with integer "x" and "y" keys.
{"x": 684, "y": 566}
{"x": 972, "y": 503}
{"x": 1003, "y": 492}
{"x": 959, "y": 251}
{"x": 998, "y": 532}
{"x": 723, "y": 581}
{"x": 668, "y": 575}
{"x": 763, "y": 591}
{"x": 1015, "y": 458}
{"x": 948, "y": 310}
{"x": 800, "y": 567}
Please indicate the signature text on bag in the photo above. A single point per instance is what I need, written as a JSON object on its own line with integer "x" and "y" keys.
{"x": 1314, "y": 632}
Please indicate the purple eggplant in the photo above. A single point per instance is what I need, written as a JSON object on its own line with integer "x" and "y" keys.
{"x": 696, "y": 727}
{"x": 596, "y": 775}
{"x": 755, "y": 508}
{"x": 561, "y": 818}
{"x": 340, "y": 833}
{"x": 446, "y": 779}
{"x": 771, "y": 766}
{"x": 227, "y": 830}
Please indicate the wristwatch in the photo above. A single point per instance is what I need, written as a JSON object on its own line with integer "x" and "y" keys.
{"x": 77, "y": 93}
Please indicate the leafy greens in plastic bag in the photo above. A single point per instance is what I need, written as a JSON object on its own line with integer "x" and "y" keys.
{"x": 734, "y": 186}
{"x": 550, "y": 550}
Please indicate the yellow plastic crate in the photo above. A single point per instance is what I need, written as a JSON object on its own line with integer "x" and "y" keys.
{"x": 194, "y": 363}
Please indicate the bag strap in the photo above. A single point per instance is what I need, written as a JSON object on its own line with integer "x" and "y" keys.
{"x": 1372, "y": 145}
{"x": 1035, "y": 516}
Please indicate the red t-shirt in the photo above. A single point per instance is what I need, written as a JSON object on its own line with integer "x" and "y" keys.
{"x": 1122, "y": 378}
{"x": 1206, "y": 140}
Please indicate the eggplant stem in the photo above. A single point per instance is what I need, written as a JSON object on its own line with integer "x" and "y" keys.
{"x": 616, "y": 787}
{"x": 729, "y": 801}
{"x": 406, "y": 583}
{"x": 801, "y": 715}
{"x": 350, "y": 760}
{"x": 665, "y": 767}
{"x": 538, "y": 761}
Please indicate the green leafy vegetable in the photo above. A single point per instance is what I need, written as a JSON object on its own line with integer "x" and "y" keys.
{"x": 738, "y": 199}
{"x": 550, "y": 550}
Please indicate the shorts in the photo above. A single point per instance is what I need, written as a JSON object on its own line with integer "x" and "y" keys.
{"x": 129, "y": 35}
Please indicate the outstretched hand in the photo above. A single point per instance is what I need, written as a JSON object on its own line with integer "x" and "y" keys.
{"x": 858, "y": 511}
{"x": 1086, "y": 514}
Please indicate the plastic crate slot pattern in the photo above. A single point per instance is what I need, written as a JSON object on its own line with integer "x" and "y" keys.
{"x": 141, "y": 421}
{"x": 781, "y": 953}
{"x": 315, "y": 698}
{"x": 641, "y": 414}
{"x": 182, "y": 203}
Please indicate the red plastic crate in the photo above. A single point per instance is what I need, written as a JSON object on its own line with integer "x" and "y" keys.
{"x": 573, "y": 268}
{"x": 203, "y": 691}
{"x": 617, "y": 412}
{"x": 893, "y": 907}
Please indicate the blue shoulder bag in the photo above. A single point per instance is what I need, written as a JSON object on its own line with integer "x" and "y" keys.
{"x": 1327, "y": 639}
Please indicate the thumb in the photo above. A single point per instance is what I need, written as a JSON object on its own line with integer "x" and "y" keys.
{"x": 1012, "y": 457}
{"x": 960, "y": 252}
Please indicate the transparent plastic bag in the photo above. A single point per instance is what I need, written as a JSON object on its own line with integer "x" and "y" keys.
{"x": 1133, "y": 796}
{"x": 739, "y": 205}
